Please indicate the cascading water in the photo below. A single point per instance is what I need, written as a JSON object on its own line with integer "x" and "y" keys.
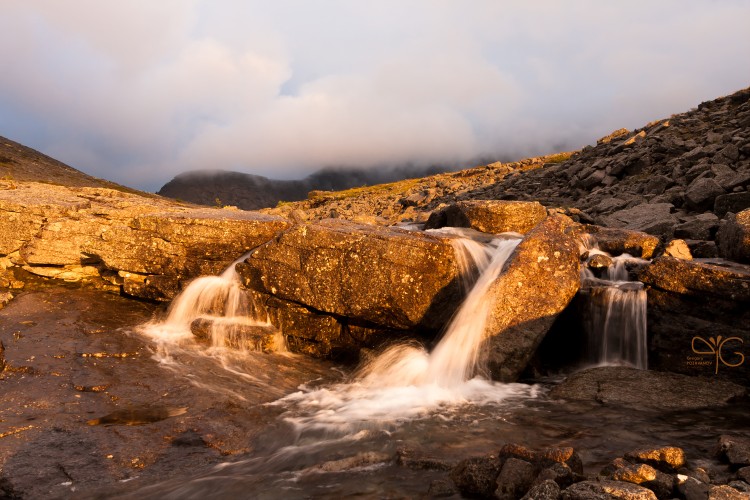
{"x": 219, "y": 301}
{"x": 615, "y": 311}
{"x": 406, "y": 381}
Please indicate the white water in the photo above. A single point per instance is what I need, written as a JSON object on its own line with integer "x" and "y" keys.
{"x": 406, "y": 381}
{"x": 616, "y": 312}
{"x": 223, "y": 305}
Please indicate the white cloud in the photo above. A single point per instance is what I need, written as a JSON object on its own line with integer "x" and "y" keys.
{"x": 139, "y": 91}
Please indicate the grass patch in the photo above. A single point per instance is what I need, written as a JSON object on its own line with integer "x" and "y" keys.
{"x": 557, "y": 158}
{"x": 377, "y": 189}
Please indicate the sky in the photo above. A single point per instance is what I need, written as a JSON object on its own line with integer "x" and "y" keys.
{"x": 139, "y": 91}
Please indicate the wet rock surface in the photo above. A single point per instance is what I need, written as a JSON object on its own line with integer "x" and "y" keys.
{"x": 86, "y": 406}
{"x": 633, "y": 387}
{"x": 537, "y": 283}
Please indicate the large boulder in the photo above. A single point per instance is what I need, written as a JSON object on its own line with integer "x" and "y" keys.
{"x": 692, "y": 304}
{"x": 734, "y": 237}
{"x": 539, "y": 280}
{"x": 651, "y": 218}
{"x": 383, "y": 276}
{"x": 490, "y": 216}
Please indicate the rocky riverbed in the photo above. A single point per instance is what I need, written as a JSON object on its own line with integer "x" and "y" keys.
{"x": 73, "y": 356}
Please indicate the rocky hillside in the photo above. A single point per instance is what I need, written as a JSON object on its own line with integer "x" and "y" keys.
{"x": 674, "y": 177}
{"x": 19, "y": 163}
{"x": 252, "y": 192}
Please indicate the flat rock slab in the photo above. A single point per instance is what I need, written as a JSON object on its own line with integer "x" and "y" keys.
{"x": 716, "y": 278}
{"x": 646, "y": 389}
{"x": 384, "y": 276}
{"x": 651, "y": 218}
{"x": 539, "y": 280}
{"x": 145, "y": 245}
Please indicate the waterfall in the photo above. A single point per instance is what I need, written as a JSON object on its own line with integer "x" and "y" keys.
{"x": 406, "y": 381}
{"x": 615, "y": 310}
{"x": 223, "y": 311}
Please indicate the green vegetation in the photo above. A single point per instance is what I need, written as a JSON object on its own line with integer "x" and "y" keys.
{"x": 557, "y": 158}
{"x": 392, "y": 187}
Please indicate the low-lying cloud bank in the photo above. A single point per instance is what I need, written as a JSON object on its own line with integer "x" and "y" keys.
{"x": 140, "y": 91}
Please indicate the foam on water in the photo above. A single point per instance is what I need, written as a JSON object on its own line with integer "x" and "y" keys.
{"x": 615, "y": 311}
{"x": 406, "y": 381}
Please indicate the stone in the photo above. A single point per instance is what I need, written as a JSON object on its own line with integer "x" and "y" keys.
{"x": 700, "y": 227}
{"x": 733, "y": 237}
{"x": 515, "y": 479}
{"x": 701, "y": 193}
{"x": 599, "y": 261}
{"x": 441, "y": 488}
{"x": 726, "y": 492}
{"x": 740, "y": 486}
{"x": 619, "y": 385}
{"x": 619, "y": 241}
{"x": 606, "y": 489}
{"x": 656, "y": 219}
{"x": 546, "y": 490}
{"x": 678, "y": 249}
{"x": 690, "y": 488}
{"x": 735, "y": 450}
{"x": 490, "y": 216}
{"x": 660, "y": 483}
{"x": 547, "y": 457}
{"x": 701, "y": 249}
{"x": 384, "y": 276}
{"x": 744, "y": 474}
{"x": 698, "y": 278}
{"x": 665, "y": 458}
{"x": 620, "y": 132}
{"x": 539, "y": 280}
{"x": 476, "y": 476}
{"x": 560, "y": 473}
{"x": 732, "y": 202}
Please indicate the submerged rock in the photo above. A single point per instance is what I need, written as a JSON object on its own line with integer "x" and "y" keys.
{"x": 138, "y": 416}
{"x": 539, "y": 280}
{"x": 619, "y": 385}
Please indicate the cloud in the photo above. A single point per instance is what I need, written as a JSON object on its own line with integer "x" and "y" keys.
{"x": 140, "y": 91}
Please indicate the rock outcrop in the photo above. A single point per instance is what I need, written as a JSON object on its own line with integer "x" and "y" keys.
{"x": 538, "y": 282}
{"x": 144, "y": 245}
{"x": 734, "y": 237}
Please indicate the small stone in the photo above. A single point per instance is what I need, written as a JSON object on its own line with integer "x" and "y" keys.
{"x": 744, "y": 474}
{"x": 726, "y": 492}
{"x": 690, "y": 488}
{"x": 515, "y": 479}
{"x": 666, "y": 458}
{"x": 599, "y": 261}
{"x": 441, "y": 488}
{"x": 736, "y": 450}
{"x": 476, "y": 476}
{"x": 678, "y": 249}
{"x": 604, "y": 489}
{"x": 546, "y": 490}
